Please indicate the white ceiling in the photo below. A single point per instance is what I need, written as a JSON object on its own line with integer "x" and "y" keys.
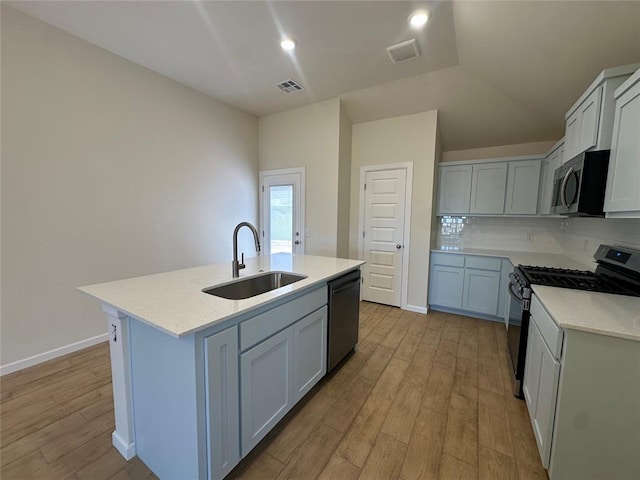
{"x": 499, "y": 72}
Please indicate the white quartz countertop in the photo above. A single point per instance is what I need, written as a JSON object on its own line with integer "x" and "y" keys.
{"x": 602, "y": 313}
{"x": 174, "y": 302}
{"x": 524, "y": 258}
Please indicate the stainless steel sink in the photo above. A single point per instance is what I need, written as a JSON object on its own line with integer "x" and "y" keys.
{"x": 252, "y": 286}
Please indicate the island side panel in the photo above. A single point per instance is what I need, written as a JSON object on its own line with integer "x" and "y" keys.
{"x": 167, "y": 410}
{"x": 123, "y": 437}
{"x": 597, "y": 424}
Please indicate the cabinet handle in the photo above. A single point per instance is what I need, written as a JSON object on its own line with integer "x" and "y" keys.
{"x": 398, "y": 246}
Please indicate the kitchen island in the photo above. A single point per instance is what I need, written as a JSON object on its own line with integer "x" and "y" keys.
{"x": 198, "y": 379}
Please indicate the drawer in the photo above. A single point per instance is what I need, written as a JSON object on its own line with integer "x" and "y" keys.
{"x": 484, "y": 263}
{"x": 262, "y": 326}
{"x": 447, "y": 259}
{"x": 550, "y": 331}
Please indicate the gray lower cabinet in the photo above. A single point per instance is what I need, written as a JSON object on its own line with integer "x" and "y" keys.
{"x": 481, "y": 290}
{"x": 222, "y": 397}
{"x": 309, "y": 352}
{"x": 468, "y": 283}
{"x": 276, "y": 373}
{"x": 582, "y": 390}
{"x": 204, "y": 401}
{"x": 266, "y": 373}
{"x": 446, "y": 286}
{"x": 540, "y": 386}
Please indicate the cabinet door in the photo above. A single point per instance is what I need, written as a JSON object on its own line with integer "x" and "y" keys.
{"x": 590, "y": 121}
{"x": 481, "y": 291}
{"x": 531, "y": 383}
{"x": 544, "y": 194}
{"x": 309, "y": 352}
{"x": 454, "y": 189}
{"x": 266, "y": 373}
{"x": 446, "y": 286}
{"x": 522, "y": 187}
{"x": 488, "y": 186}
{"x": 572, "y": 136}
{"x": 540, "y": 387}
{"x": 547, "y": 169}
{"x": 581, "y": 129}
{"x": 623, "y": 194}
{"x": 222, "y": 398}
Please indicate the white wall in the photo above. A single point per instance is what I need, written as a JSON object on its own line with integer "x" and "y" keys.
{"x": 535, "y": 148}
{"x": 344, "y": 184}
{"x": 308, "y": 137}
{"x": 582, "y": 236}
{"x": 108, "y": 171}
{"x": 410, "y": 138}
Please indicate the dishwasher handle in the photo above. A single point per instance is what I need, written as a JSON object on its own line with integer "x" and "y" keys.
{"x": 345, "y": 281}
{"x": 346, "y": 286}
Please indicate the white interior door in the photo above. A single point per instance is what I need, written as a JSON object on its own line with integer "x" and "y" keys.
{"x": 282, "y": 211}
{"x": 383, "y": 235}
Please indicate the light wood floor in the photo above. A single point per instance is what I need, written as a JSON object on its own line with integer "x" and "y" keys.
{"x": 425, "y": 396}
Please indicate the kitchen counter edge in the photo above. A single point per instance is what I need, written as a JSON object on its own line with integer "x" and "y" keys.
{"x": 173, "y": 302}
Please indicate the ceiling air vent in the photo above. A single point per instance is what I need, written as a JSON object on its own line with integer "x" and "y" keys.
{"x": 289, "y": 86}
{"x": 404, "y": 51}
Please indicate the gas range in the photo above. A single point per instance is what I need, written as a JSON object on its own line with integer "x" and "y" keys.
{"x": 618, "y": 273}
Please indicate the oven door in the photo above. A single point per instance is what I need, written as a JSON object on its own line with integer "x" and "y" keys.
{"x": 517, "y": 333}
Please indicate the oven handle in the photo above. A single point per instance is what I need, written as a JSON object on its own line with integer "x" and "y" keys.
{"x": 563, "y": 197}
{"x": 514, "y": 294}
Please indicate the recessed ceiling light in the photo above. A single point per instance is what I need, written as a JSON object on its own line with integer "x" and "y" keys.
{"x": 418, "y": 18}
{"x": 288, "y": 44}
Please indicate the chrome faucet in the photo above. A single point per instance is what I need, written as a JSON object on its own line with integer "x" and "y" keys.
{"x": 235, "y": 265}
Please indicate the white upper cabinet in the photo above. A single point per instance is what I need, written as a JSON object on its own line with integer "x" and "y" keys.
{"x": 480, "y": 187}
{"x": 547, "y": 168}
{"x": 522, "y": 188}
{"x": 488, "y": 186}
{"x": 454, "y": 189}
{"x": 582, "y": 125}
{"x": 622, "y": 197}
{"x": 589, "y": 122}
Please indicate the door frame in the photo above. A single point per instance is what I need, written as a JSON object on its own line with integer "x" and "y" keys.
{"x": 408, "y": 167}
{"x": 284, "y": 171}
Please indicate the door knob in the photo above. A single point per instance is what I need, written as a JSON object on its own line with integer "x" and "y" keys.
{"x": 398, "y": 246}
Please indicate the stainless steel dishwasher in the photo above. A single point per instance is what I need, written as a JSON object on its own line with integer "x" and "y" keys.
{"x": 344, "y": 308}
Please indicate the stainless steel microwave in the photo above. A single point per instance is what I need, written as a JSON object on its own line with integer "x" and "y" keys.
{"x": 579, "y": 185}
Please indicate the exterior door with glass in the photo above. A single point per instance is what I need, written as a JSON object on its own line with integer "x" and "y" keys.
{"x": 282, "y": 210}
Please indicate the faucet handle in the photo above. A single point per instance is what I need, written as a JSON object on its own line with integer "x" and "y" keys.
{"x": 242, "y": 265}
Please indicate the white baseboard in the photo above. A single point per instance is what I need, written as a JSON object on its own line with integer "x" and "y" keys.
{"x": 51, "y": 354}
{"x": 128, "y": 451}
{"x": 414, "y": 308}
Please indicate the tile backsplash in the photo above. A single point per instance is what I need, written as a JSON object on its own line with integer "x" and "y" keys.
{"x": 576, "y": 238}
{"x": 526, "y": 234}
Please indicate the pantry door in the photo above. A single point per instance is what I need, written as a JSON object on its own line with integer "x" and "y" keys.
{"x": 282, "y": 211}
{"x": 385, "y": 235}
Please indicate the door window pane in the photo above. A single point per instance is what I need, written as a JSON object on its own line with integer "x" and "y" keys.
{"x": 281, "y": 218}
